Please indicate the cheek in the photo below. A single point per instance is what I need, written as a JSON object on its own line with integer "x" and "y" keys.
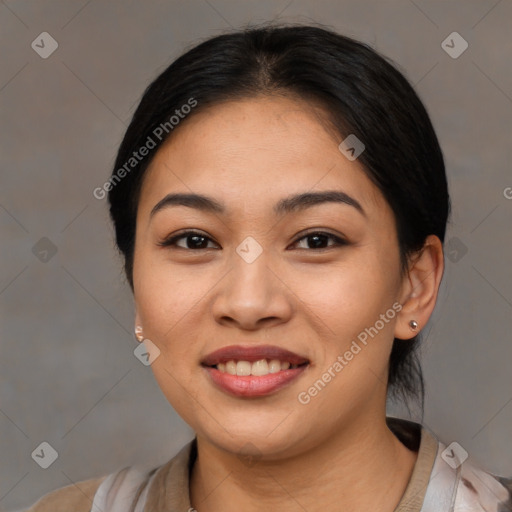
{"x": 168, "y": 301}
{"x": 347, "y": 303}
{"x": 168, "y": 304}
{"x": 348, "y": 296}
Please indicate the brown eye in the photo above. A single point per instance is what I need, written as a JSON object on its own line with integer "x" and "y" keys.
{"x": 193, "y": 241}
{"x": 319, "y": 240}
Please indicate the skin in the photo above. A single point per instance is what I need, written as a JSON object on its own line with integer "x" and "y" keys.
{"x": 336, "y": 452}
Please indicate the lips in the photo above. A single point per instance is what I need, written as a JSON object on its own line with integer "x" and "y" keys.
{"x": 251, "y": 354}
{"x": 249, "y": 386}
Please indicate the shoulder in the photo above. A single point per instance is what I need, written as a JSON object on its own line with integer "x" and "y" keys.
{"x": 460, "y": 483}
{"x": 477, "y": 486}
{"x": 447, "y": 477}
{"x": 77, "y": 497}
{"x": 134, "y": 484}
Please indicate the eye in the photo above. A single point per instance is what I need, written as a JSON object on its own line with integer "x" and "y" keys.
{"x": 193, "y": 241}
{"x": 198, "y": 241}
{"x": 319, "y": 239}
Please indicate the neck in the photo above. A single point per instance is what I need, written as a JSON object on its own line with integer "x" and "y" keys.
{"x": 363, "y": 467}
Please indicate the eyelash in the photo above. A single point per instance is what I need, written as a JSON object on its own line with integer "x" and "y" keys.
{"x": 171, "y": 241}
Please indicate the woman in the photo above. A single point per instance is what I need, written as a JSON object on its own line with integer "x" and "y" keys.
{"x": 280, "y": 201}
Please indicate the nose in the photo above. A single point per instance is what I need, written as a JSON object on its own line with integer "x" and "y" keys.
{"x": 252, "y": 296}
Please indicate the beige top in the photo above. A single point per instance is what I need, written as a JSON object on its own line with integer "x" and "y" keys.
{"x": 169, "y": 489}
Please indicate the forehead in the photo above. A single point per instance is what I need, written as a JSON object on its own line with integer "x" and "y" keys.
{"x": 254, "y": 150}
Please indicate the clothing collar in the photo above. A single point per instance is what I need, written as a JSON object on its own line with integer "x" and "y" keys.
{"x": 174, "y": 476}
{"x": 443, "y": 480}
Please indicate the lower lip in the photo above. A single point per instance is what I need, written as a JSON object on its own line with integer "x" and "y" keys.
{"x": 251, "y": 385}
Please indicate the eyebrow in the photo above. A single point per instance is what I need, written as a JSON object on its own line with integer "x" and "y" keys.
{"x": 289, "y": 204}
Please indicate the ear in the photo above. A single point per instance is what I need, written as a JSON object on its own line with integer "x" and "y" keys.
{"x": 138, "y": 325}
{"x": 420, "y": 286}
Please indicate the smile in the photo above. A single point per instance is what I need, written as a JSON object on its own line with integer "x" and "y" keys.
{"x": 258, "y": 368}
{"x": 253, "y": 385}
{"x": 253, "y": 371}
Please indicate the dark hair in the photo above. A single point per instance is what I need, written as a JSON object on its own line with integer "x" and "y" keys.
{"x": 362, "y": 93}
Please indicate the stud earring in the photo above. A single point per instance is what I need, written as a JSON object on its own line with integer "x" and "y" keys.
{"x": 413, "y": 325}
{"x": 138, "y": 334}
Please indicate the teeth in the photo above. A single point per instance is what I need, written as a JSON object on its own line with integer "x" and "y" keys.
{"x": 274, "y": 366}
{"x": 258, "y": 368}
{"x": 243, "y": 368}
{"x": 231, "y": 367}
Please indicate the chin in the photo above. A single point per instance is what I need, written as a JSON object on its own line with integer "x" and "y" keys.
{"x": 261, "y": 440}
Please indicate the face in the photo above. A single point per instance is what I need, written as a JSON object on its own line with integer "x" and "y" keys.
{"x": 263, "y": 280}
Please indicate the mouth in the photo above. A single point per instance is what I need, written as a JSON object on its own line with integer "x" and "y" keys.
{"x": 259, "y": 368}
{"x": 253, "y": 371}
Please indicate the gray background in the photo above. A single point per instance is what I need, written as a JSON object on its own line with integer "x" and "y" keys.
{"x": 68, "y": 373}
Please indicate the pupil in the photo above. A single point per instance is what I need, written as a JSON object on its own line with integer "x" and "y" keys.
{"x": 320, "y": 239}
{"x": 195, "y": 243}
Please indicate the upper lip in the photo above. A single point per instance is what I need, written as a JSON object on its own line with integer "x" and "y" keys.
{"x": 251, "y": 354}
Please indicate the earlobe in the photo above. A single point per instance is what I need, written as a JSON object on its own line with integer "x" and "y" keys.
{"x": 139, "y": 336}
{"x": 420, "y": 287}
